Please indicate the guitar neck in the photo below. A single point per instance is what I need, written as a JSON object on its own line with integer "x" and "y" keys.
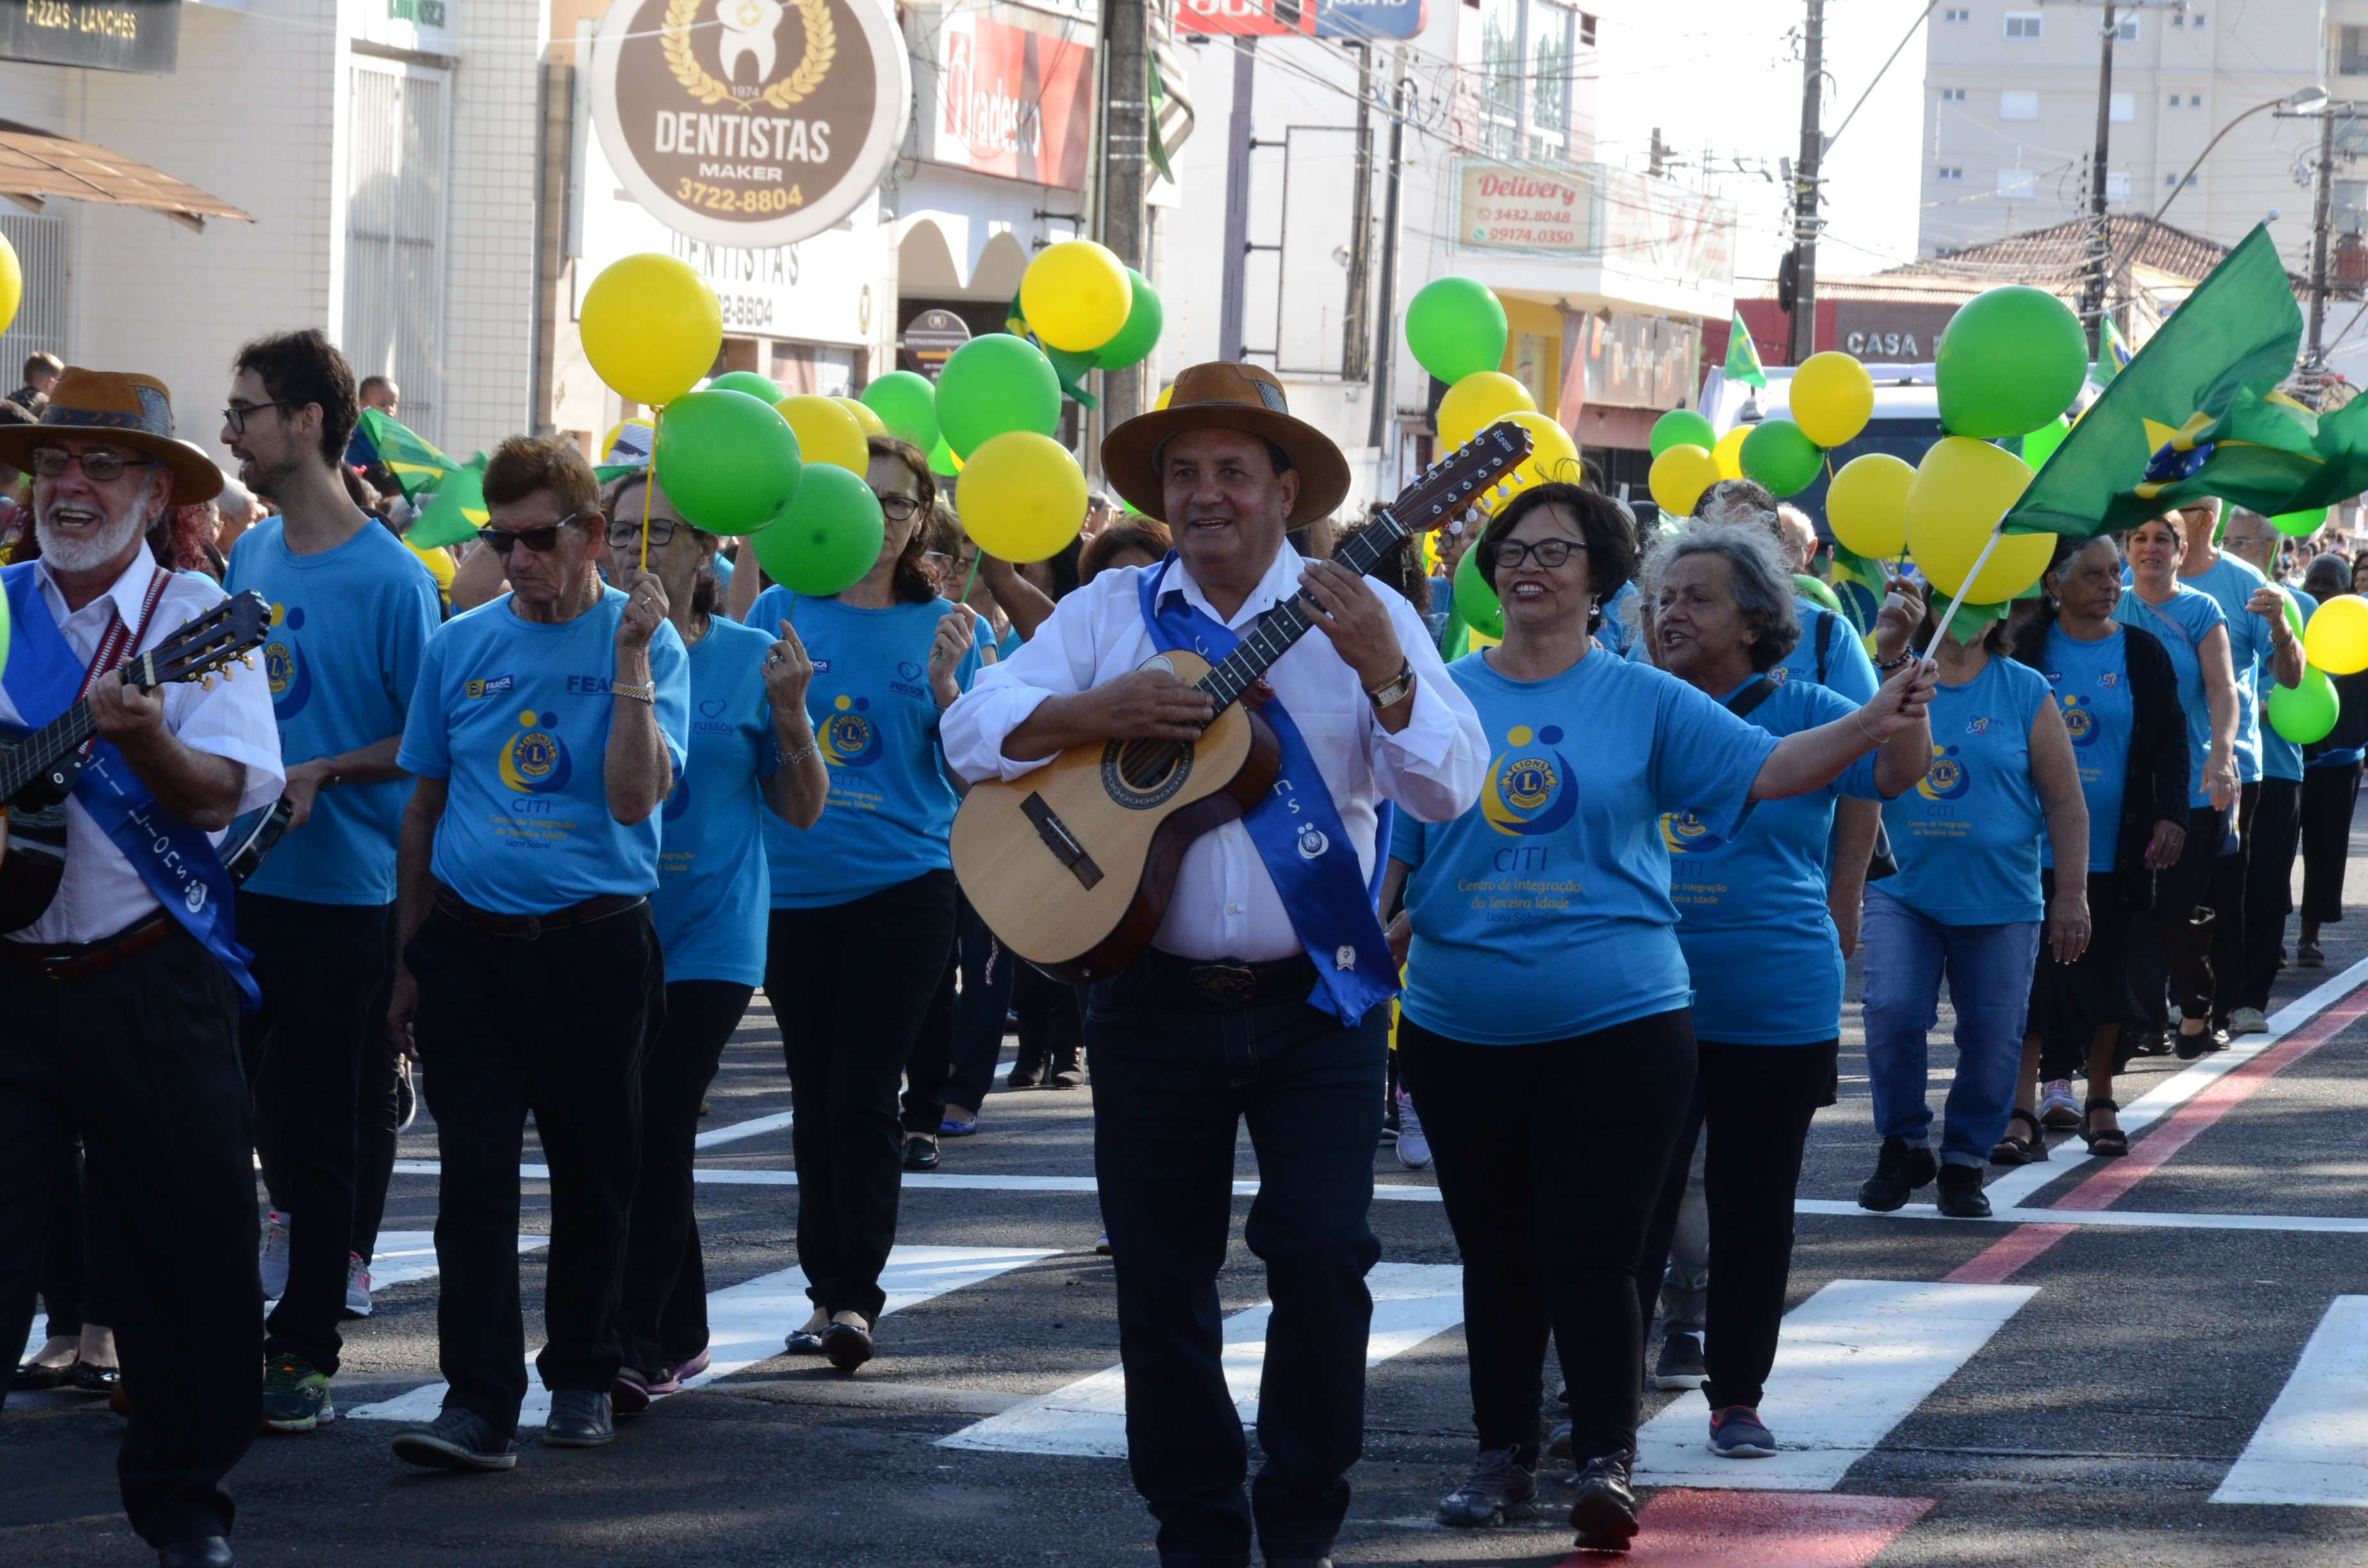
{"x": 41, "y": 751}
{"x": 1287, "y": 623}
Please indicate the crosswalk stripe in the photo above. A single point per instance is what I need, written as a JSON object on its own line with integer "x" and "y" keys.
{"x": 1851, "y": 1362}
{"x": 2312, "y": 1447}
{"x": 1412, "y": 1301}
{"x": 747, "y": 1322}
{"x": 1793, "y": 1529}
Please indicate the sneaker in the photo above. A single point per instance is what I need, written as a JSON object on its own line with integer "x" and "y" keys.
{"x": 295, "y": 1395}
{"x": 1899, "y": 1171}
{"x": 357, "y": 1286}
{"x": 1680, "y": 1366}
{"x": 2056, "y": 1106}
{"x": 406, "y": 1096}
{"x": 1737, "y": 1433}
{"x": 580, "y": 1418}
{"x": 1414, "y": 1149}
{"x": 1960, "y": 1193}
{"x": 1558, "y": 1441}
{"x": 2248, "y": 1020}
{"x": 1604, "y": 1513}
{"x": 632, "y": 1393}
{"x": 1500, "y": 1488}
{"x": 274, "y": 1260}
{"x": 458, "y": 1439}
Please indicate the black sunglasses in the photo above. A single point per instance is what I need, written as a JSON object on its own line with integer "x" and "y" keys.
{"x": 235, "y": 415}
{"x": 541, "y": 542}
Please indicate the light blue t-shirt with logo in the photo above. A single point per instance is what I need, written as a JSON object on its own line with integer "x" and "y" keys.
{"x": 515, "y": 714}
{"x": 2231, "y": 583}
{"x": 1848, "y": 669}
{"x": 713, "y": 887}
{"x": 347, "y": 628}
{"x": 2180, "y": 623}
{"x": 2281, "y": 759}
{"x": 2091, "y": 682}
{"x": 891, "y": 809}
{"x": 1752, "y": 913}
{"x": 1967, "y": 836}
{"x": 1545, "y": 911}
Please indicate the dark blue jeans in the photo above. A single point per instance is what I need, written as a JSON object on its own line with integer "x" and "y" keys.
{"x": 1174, "y": 1076}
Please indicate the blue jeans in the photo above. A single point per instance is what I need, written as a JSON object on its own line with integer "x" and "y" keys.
{"x": 1989, "y": 985}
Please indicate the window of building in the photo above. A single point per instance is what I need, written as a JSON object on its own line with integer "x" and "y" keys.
{"x": 2169, "y": 181}
{"x": 1956, "y": 14}
{"x": 2351, "y": 58}
{"x": 2126, "y": 29}
{"x": 2175, "y": 101}
{"x": 2022, "y": 24}
{"x": 2117, "y": 187}
{"x": 2018, "y": 184}
{"x": 2195, "y": 100}
{"x": 1526, "y": 70}
{"x": 2014, "y": 105}
{"x": 2124, "y": 110}
{"x": 1951, "y": 174}
{"x": 1952, "y": 95}
{"x": 395, "y": 231}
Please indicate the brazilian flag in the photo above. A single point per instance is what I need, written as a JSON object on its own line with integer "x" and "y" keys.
{"x": 1742, "y": 359}
{"x": 417, "y": 465}
{"x": 456, "y": 506}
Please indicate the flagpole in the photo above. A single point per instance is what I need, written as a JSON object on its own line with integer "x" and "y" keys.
{"x": 1997, "y": 532}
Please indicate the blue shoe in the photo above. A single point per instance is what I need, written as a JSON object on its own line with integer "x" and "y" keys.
{"x": 1737, "y": 1433}
{"x": 949, "y": 1128}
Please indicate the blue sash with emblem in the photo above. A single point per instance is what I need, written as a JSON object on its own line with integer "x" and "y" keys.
{"x": 1296, "y": 829}
{"x": 176, "y": 860}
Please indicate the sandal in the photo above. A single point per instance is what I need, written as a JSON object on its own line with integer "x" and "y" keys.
{"x": 2014, "y": 1150}
{"x": 2105, "y": 1142}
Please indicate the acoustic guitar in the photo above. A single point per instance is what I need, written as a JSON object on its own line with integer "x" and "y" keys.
{"x": 1071, "y": 867}
{"x": 39, "y": 770}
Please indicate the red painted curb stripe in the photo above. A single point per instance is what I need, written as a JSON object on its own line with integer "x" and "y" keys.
{"x": 1689, "y": 1528}
{"x": 1998, "y": 1263}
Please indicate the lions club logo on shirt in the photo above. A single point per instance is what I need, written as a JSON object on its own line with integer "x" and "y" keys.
{"x": 1948, "y": 777}
{"x": 535, "y": 761}
{"x": 2080, "y": 719}
{"x": 850, "y": 740}
{"x": 292, "y": 682}
{"x": 1529, "y": 790}
{"x": 1684, "y": 833}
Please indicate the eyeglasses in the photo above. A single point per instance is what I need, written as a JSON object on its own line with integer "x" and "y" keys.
{"x": 897, "y": 508}
{"x": 1547, "y": 552}
{"x": 96, "y": 467}
{"x": 626, "y": 532}
{"x": 235, "y": 415}
{"x": 541, "y": 542}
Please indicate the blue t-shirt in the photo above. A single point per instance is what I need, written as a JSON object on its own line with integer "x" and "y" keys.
{"x": 515, "y": 713}
{"x": 1543, "y": 912}
{"x": 891, "y": 809}
{"x": 2180, "y": 623}
{"x": 1752, "y": 916}
{"x": 2091, "y": 682}
{"x": 1848, "y": 669}
{"x": 1967, "y": 836}
{"x": 2230, "y": 584}
{"x": 1616, "y": 633}
{"x": 347, "y": 627}
{"x": 713, "y": 885}
{"x": 2281, "y": 759}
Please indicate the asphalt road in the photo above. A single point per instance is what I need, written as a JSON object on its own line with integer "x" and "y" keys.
{"x": 2077, "y": 1394}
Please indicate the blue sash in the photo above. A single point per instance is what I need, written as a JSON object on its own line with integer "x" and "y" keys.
{"x": 1297, "y": 831}
{"x": 177, "y": 860}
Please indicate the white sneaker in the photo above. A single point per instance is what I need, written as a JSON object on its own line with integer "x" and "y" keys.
{"x": 2248, "y": 1020}
{"x": 1414, "y": 1149}
{"x": 2056, "y": 1106}
{"x": 357, "y": 1284}
{"x": 273, "y": 1261}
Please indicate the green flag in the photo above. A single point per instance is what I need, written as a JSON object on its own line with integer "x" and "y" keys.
{"x": 1742, "y": 359}
{"x": 414, "y": 464}
{"x": 2112, "y": 352}
{"x": 456, "y": 508}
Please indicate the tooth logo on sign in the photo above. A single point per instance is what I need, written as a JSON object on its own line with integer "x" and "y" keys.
{"x": 748, "y": 29}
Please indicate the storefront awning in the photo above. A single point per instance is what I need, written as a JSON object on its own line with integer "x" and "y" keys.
{"x": 36, "y": 167}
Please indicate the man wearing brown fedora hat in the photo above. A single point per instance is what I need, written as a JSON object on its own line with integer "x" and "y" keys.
{"x": 1262, "y": 995}
{"x": 119, "y": 1004}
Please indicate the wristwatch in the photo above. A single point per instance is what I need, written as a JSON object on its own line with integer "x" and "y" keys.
{"x": 1396, "y": 689}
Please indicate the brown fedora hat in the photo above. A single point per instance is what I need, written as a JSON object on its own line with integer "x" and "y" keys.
{"x": 1222, "y": 395}
{"x": 122, "y": 408}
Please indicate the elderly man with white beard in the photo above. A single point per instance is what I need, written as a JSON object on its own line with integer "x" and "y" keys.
{"x": 120, "y": 1003}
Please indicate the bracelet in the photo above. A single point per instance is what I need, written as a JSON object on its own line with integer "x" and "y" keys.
{"x": 647, "y": 692}
{"x": 796, "y": 757}
{"x": 1857, "y": 716}
{"x": 1395, "y": 690}
{"x": 1886, "y": 667}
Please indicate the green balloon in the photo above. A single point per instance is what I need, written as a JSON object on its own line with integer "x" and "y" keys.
{"x": 993, "y": 385}
{"x": 908, "y": 404}
{"x": 1071, "y": 366}
{"x": 1682, "y": 427}
{"x": 727, "y": 461}
{"x": 1145, "y": 317}
{"x": 2294, "y": 614}
{"x": 747, "y": 382}
{"x": 1779, "y": 454}
{"x": 829, "y": 537}
{"x": 942, "y": 459}
{"x": 2041, "y": 444}
{"x": 2008, "y": 361}
{"x": 1475, "y": 600}
{"x": 2306, "y": 712}
{"x": 2300, "y": 524}
{"x": 1455, "y": 326}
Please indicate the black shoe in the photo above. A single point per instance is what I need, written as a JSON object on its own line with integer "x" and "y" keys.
{"x": 1899, "y": 1171}
{"x": 920, "y": 1153}
{"x": 30, "y": 1378}
{"x": 845, "y": 1347}
{"x": 580, "y": 1418}
{"x": 89, "y": 1378}
{"x": 2191, "y": 1046}
{"x": 1960, "y": 1193}
{"x": 458, "y": 1439}
{"x": 1026, "y": 1073}
{"x": 1680, "y": 1366}
{"x": 197, "y": 1551}
{"x": 1604, "y": 1513}
{"x": 1500, "y": 1487}
{"x": 1069, "y": 1072}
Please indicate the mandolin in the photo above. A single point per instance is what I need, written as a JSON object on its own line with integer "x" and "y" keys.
{"x": 39, "y": 770}
{"x": 1071, "y": 866}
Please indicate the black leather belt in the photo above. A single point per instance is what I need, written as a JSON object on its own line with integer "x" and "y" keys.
{"x": 1224, "y": 985}
{"x": 526, "y": 927}
{"x": 79, "y": 959}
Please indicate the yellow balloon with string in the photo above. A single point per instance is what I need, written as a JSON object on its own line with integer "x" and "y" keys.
{"x": 1960, "y": 490}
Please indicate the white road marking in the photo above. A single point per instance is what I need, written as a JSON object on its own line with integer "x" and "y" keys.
{"x": 1412, "y": 1301}
{"x": 747, "y": 1322}
{"x": 2312, "y": 1447}
{"x": 752, "y": 1128}
{"x": 1851, "y": 1362}
{"x": 2337, "y": 1224}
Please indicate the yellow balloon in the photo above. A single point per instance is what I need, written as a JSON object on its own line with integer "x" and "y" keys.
{"x": 1552, "y": 459}
{"x": 1076, "y": 295}
{"x": 12, "y": 283}
{"x": 1678, "y": 477}
{"x": 1962, "y": 489}
{"x": 863, "y": 414}
{"x": 1867, "y": 505}
{"x": 1478, "y": 400}
{"x": 1164, "y": 393}
{"x": 1022, "y": 496}
{"x": 826, "y": 433}
{"x": 2337, "y": 637}
{"x": 651, "y": 328}
{"x": 1728, "y": 453}
{"x": 1833, "y": 397}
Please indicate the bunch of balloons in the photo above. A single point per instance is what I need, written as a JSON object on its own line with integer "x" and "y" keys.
{"x": 1832, "y": 398}
{"x": 1457, "y": 331}
{"x": 2337, "y": 642}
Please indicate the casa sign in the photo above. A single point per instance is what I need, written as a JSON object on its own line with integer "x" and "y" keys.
{"x": 751, "y": 123}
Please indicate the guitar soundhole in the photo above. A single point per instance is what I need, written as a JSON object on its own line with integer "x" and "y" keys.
{"x": 1143, "y": 774}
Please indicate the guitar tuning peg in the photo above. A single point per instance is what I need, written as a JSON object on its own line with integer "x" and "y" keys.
{"x": 225, "y": 674}
{"x": 205, "y": 682}
{"x": 247, "y": 659}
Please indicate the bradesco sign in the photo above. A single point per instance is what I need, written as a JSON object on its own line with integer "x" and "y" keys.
{"x": 749, "y": 122}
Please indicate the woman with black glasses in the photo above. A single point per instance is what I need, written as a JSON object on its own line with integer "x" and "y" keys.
{"x": 864, "y": 902}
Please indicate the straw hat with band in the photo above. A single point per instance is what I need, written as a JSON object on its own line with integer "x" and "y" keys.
{"x": 124, "y": 410}
{"x": 1222, "y": 395}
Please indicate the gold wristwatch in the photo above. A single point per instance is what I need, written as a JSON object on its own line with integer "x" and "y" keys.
{"x": 1396, "y": 689}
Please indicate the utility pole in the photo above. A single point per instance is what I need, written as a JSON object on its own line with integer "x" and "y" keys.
{"x": 1234, "y": 276}
{"x": 2092, "y": 294}
{"x": 1126, "y": 140}
{"x": 1385, "y": 314}
{"x": 2322, "y": 219}
{"x": 1353, "y": 363}
{"x": 1806, "y": 222}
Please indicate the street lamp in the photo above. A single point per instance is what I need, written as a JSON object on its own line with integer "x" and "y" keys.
{"x": 2310, "y": 100}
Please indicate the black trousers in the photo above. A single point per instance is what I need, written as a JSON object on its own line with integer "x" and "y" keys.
{"x": 850, "y": 983}
{"x": 1174, "y": 1078}
{"x": 2268, "y": 886}
{"x": 929, "y": 1066}
{"x": 2069, "y": 1002}
{"x": 68, "y": 1285}
{"x": 378, "y": 1108}
{"x": 2328, "y": 796}
{"x": 2177, "y": 942}
{"x": 2225, "y": 894}
{"x": 320, "y": 966}
{"x": 152, "y": 1045}
{"x": 1755, "y": 1102}
{"x": 662, "y": 1319}
{"x": 558, "y": 1027}
{"x": 986, "y": 978}
{"x": 1052, "y": 1024}
{"x": 1552, "y": 1226}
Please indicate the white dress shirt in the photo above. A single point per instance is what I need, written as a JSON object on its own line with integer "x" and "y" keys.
{"x": 1225, "y": 904}
{"x": 101, "y": 894}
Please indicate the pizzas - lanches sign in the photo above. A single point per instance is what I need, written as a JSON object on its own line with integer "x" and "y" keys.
{"x": 750, "y": 123}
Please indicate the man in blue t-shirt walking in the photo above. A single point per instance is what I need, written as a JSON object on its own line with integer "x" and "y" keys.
{"x": 351, "y": 610}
